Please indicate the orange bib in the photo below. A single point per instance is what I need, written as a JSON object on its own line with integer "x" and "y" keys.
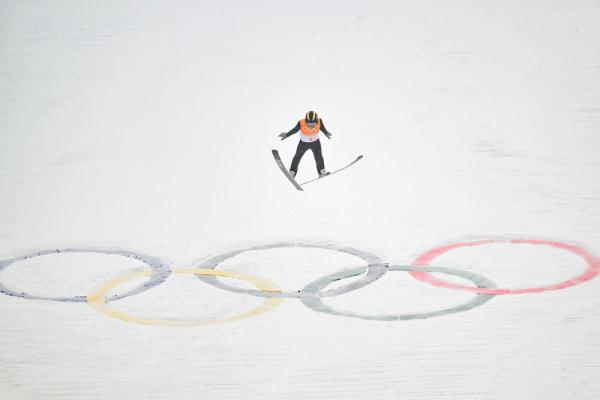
{"x": 307, "y": 130}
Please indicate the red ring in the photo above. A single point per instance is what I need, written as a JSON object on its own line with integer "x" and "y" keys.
{"x": 591, "y": 271}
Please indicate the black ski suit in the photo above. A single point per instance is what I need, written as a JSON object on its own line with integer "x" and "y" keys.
{"x": 315, "y": 147}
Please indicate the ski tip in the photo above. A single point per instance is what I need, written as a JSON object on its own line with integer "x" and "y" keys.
{"x": 274, "y": 152}
{"x": 359, "y": 157}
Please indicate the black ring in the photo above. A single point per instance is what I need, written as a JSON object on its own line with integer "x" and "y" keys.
{"x": 375, "y": 269}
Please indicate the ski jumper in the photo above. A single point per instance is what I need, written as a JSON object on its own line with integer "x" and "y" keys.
{"x": 309, "y": 140}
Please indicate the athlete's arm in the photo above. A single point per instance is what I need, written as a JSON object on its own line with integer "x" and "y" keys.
{"x": 290, "y": 133}
{"x": 324, "y": 130}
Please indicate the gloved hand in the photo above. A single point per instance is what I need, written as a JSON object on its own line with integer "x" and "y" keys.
{"x": 283, "y": 135}
{"x": 328, "y": 134}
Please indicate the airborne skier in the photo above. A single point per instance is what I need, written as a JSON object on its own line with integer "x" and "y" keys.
{"x": 309, "y": 128}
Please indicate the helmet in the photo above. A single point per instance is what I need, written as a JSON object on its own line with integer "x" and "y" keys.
{"x": 311, "y": 117}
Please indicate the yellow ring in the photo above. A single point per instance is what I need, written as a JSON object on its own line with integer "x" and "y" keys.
{"x": 97, "y": 300}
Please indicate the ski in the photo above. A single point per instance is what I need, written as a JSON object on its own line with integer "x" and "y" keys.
{"x": 284, "y": 170}
{"x": 336, "y": 171}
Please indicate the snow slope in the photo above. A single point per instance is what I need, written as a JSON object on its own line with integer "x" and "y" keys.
{"x": 148, "y": 129}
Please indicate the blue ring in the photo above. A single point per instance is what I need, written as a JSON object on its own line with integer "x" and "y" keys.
{"x": 160, "y": 272}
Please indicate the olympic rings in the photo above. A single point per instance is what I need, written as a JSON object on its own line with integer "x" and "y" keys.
{"x": 592, "y": 270}
{"x": 313, "y": 293}
{"x": 375, "y": 269}
{"x": 312, "y": 300}
{"x": 98, "y": 299}
{"x": 160, "y": 272}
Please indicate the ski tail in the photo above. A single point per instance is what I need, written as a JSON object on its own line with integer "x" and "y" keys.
{"x": 284, "y": 170}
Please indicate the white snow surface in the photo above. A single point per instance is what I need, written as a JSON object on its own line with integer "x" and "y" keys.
{"x": 147, "y": 126}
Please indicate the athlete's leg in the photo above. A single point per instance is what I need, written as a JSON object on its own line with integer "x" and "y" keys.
{"x": 300, "y": 150}
{"x": 318, "y": 153}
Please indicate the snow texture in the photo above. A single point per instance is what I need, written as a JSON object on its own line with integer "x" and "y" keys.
{"x": 146, "y": 128}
